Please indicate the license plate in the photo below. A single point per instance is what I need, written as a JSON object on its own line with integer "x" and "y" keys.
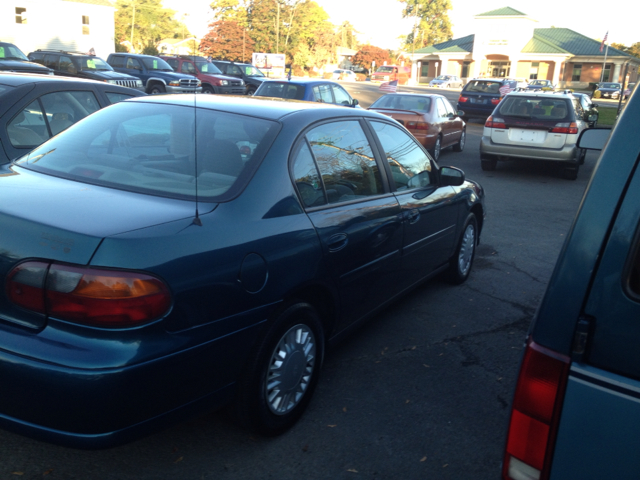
{"x": 528, "y": 136}
{"x": 477, "y": 100}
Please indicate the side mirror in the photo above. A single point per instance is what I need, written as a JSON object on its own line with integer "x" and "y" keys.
{"x": 594, "y": 138}
{"x": 594, "y": 105}
{"x": 451, "y": 176}
{"x": 355, "y": 102}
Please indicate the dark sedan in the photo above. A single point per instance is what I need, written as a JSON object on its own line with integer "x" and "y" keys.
{"x": 174, "y": 253}
{"x": 540, "y": 85}
{"x": 430, "y": 118}
{"x": 310, "y": 90}
{"x": 608, "y": 90}
{"x": 34, "y": 108}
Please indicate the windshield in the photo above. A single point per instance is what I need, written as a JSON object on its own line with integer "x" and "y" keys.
{"x": 207, "y": 67}
{"x": 280, "y": 90}
{"x": 483, "y": 86}
{"x": 610, "y": 85}
{"x": 414, "y": 103}
{"x": 91, "y": 64}
{"x": 385, "y": 69}
{"x": 8, "y": 51}
{"x": 442, "y": 77}
{"x": 539, "y": 82}
{"x": 151, "y": 149}
{"x": 157, "y": 64}
{"x": 251, "y": 71}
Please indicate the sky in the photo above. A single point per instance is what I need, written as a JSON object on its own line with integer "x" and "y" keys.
{"x": 380, "y": 23}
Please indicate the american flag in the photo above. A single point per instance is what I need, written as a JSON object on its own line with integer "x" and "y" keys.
{"x": 390, "y": 87}
{"x": 505, "y": 89}
{"x": 603, "y": 41}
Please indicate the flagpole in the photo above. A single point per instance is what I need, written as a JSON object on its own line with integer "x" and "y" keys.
{"x": 606, "y": 50}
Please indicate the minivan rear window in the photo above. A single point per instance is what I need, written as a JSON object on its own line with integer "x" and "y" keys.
{"x": 555, "y": 109}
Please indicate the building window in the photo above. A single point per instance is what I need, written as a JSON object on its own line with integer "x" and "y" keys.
{"x": 533, "y": 72}
{"x": 85, "y": 25}
{"x": 21, "y": 15}
{"x": 606, "y": 77}
{"x": 577, "y": 72}
{"x": 424, "y": 69}
{"x": 465, "y": 69}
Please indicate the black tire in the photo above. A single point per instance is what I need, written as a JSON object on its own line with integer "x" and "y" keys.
{"x": 488, "y": 164}
{"x": 265, "y": 406}
{"x": 157, "y": 89}
{"x": 208, "y": 89}
{"x": 570, "y": 173}
{"x": 251, "y": 90}
{"x": 465, "y": 119}
{"x": 582, "y": 156}
{"x": 462, "y": 260}
{"x": 458, "y": 147}
{"x": 437, "y": 148}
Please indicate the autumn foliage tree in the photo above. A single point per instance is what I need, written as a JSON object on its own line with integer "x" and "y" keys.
{"x": 227, "y": 40}
{"x": 368, "y": 54}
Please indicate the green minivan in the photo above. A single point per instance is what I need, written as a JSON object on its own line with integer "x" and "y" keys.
{"x": 576, "y": 408}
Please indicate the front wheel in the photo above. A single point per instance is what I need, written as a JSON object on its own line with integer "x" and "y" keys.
{"x": 458, "y": 147}
{"x": 435, "y": 151}
{"x": 208, "y": 89}
{"x": 157, "y": 90}
{"x": 282, "y": 372}
{"x": 462, "y": 260}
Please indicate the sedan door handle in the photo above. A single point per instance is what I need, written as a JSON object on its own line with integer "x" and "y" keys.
{"x": 413, "y": 216}
{"x": 337, "y": 242}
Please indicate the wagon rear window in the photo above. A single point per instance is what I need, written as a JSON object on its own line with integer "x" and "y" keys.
{"x": 158, "y": 149}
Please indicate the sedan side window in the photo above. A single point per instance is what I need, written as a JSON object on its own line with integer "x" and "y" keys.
{"x": 345, "y": 160}
{"x": 442, "y": 110}
{"x": 63, "y": 109}
{"x": 323, "y": 93}
{"x": 406, "y": 159}
{"x": 28, "y": 129}
{"x": 342, "y": 97}
{"x": 307, "y": 178}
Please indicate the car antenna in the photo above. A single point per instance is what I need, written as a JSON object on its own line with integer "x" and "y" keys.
{"x": 196, "y": 220}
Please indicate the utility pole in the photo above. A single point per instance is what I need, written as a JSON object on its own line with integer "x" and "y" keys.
{"x": 133, "y": 19}
{"x": 278, "y": 28}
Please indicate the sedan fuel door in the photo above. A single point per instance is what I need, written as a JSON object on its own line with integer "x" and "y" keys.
{"x": 357, "y": 220}
{"x": 430, "y": 212}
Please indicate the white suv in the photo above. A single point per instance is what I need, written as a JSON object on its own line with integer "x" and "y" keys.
{"x": 537, "y": 126}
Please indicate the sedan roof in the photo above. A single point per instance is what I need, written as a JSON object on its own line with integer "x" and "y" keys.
{"x": 15, "y": 79}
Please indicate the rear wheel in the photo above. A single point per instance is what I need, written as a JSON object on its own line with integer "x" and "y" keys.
{"x": 282, "y": 372}
{"x": 461, "y": 262}
{"x": 435, "y": 151}
{"x": 458, "y": 147}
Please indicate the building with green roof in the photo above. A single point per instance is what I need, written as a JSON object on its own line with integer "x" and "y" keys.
{"x": 509, "y": 44}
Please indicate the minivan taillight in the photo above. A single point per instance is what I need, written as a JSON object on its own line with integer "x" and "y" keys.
{"x": 535, "y": 413}
{"x": 89, "y": 296}
{"x": 565, "y": 128}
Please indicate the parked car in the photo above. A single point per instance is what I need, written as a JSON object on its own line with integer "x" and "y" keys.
{"x": 576, "y": 409}
{"x": 590, "y": 108}
{"x": 212, "y": 79}
{"x": 539, "y": 85}
{"x": 628, "y": 90}
{"x": 251, "y": 75}
{"x": 537, "y": 126}
{"x": 307, "y": 89}
{"x": 347, "y": 75}
{"x": 386, "y": 73}
{"x": 12, "y": 59}
{"x": 608, "y": 90}
{"x": 430, "y": 118}
{"x": 446, "y": 81}
{"x": 157, "y": 75}
{"x": 190, "y": 270}
{"x": 34, "y": 108}
{"x": 481, "y": 95}
{"x": 82, "y": 65}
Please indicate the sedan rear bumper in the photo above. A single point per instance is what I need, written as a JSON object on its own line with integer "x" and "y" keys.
{"x": 488, "y": 149}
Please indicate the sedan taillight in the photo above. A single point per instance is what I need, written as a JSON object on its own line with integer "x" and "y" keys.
{"x": 417, "y": 126}
{"x": 565, "y": 128}
{"x": 495, "y": 122}
{"x": 495, "y": 101}
{"x": 89, "y": 296}
{"x": 535, "y": 413}
{"x": 463, "y": 99}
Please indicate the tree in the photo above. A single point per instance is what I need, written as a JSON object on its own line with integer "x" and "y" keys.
{"x": 432, "y": 22}
{"x": 620, "y": 46}
{"x": 634, "y": 50}
{"x": 227, "y": 40}
{"x": 368, "y": 54}
{"x": 146, "y": 22}
{"x": 347, "y": 36}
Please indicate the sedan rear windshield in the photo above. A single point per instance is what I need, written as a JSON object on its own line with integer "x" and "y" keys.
{"x": 482, "y": 86}
{"x": 281, "y": 90}
{"x": 158, "y": 149}
{"x": 552, "y": 109}
{"x": 414, "y": 103}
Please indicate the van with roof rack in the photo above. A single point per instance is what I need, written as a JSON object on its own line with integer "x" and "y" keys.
{"x": 83, "y": 65}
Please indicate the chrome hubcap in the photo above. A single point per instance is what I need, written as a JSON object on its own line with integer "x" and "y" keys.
{"x": 462, "y": 139}
{"x": 466, "y": 249}
{"x": 290, "y": 369}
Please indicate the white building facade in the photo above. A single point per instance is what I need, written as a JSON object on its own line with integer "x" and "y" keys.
{"x": 70, "y": 25}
